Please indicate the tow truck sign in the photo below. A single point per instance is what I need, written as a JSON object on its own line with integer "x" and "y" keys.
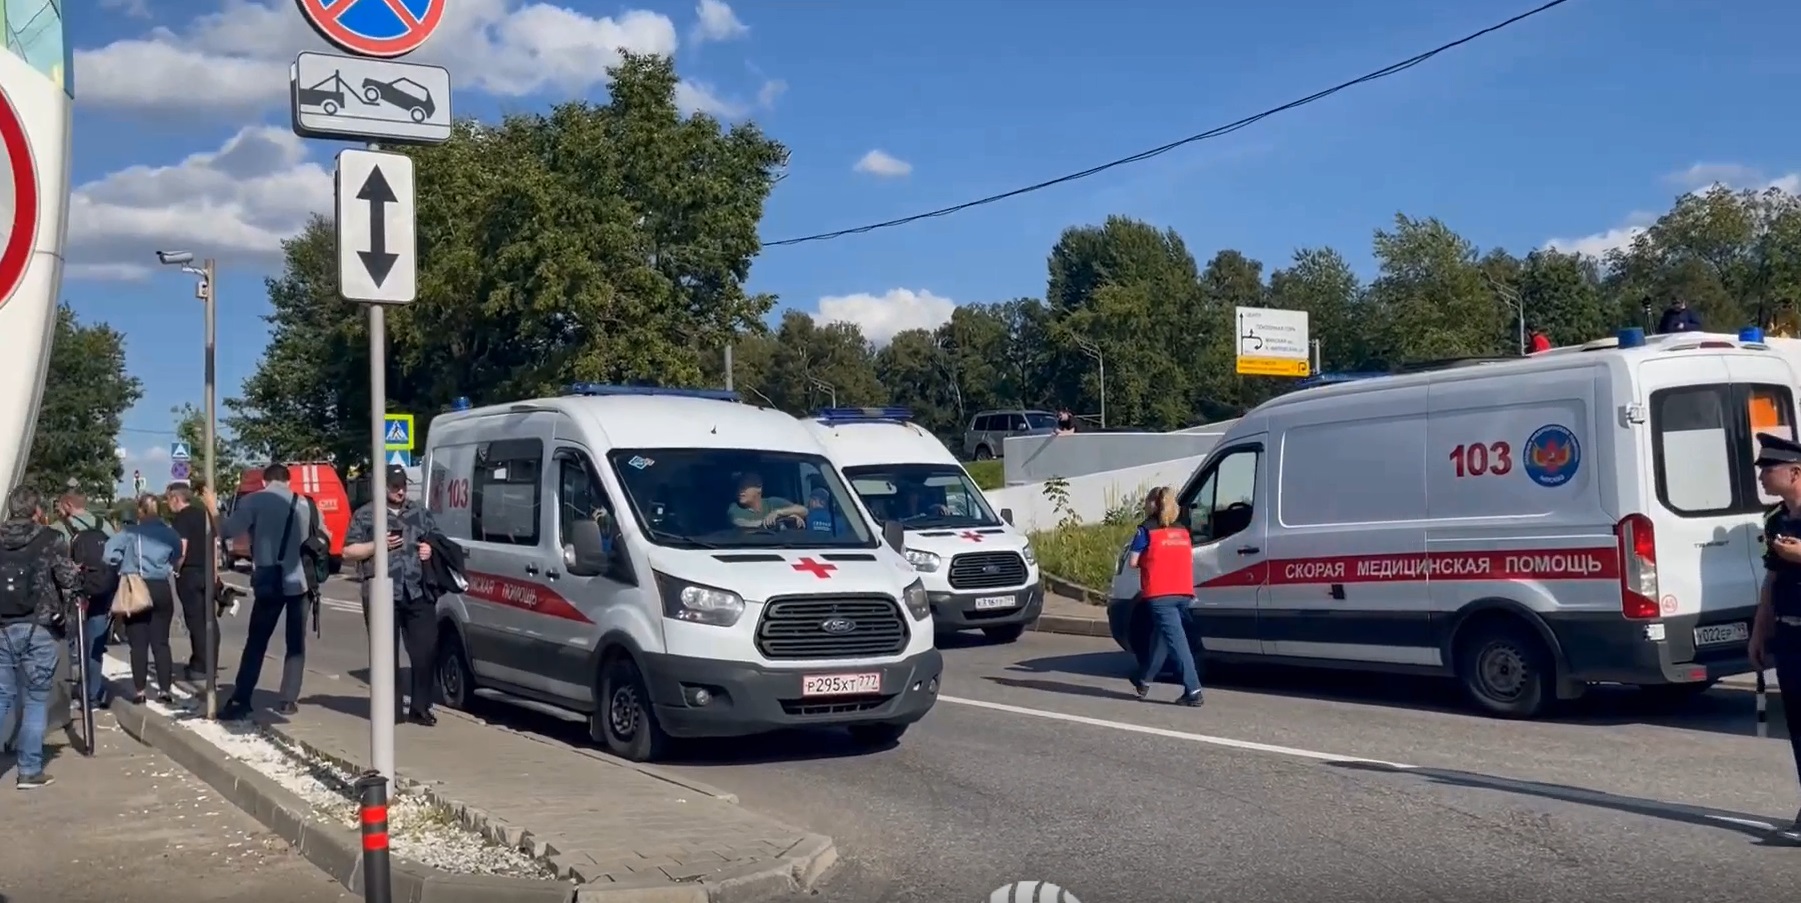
{"x": 369, "y": 99}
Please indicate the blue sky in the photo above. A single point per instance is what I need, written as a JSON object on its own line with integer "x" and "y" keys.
{"x": 1573, "y": 126}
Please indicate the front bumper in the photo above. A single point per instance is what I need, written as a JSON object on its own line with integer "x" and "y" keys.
{"x": 957, "y": 610}
{"x": 745, "y": 698}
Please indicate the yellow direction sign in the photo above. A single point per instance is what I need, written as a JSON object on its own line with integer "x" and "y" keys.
{"x": 1273, "y": 366}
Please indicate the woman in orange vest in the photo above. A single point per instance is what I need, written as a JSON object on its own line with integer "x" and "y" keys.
{"x": 1163, "y": 553}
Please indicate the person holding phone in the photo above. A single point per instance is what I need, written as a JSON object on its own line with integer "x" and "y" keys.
{"x": 1776, "y": 628}
{"x": 415, "y": 619}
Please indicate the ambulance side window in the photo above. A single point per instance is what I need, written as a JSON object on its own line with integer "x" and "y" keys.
{"x": 505, "y": 492}
{"x": 1220, "y": 505}
{"x": 581, "y": 496}
{"x": 1771, "y": 409}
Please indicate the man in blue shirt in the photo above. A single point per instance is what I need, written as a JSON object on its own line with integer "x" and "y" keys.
{"x": 278, "y": 521}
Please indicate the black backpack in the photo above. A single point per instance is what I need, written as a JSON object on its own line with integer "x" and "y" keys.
{"x": 88, "y": 548}
{"x": 18, "y": 580}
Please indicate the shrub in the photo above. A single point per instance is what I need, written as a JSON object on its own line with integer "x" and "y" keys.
{"x": 987, "y": 474}
{"x": 1084, "y": 554}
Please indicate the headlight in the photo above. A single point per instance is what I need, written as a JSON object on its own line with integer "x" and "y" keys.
{"x": 1030, "y": 556}
{"x": 698, "y": 604}
{"x": 923, "y": 560}
{"x": 917, "y": 604}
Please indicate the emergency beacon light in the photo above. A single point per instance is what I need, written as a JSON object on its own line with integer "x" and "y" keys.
{"x": 835, "y": 416}
{"x": 603, "y": 389}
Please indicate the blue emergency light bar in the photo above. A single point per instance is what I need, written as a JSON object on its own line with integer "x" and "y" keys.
{"x": 835, "y": 416}
{"x": 599, "y": 389}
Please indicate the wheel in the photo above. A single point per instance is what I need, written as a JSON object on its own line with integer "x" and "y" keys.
{"x": 1677, "y": 693}
{"x": 371, "y": 95}
{"x": 330, "y": 107}
{"x": 877, "y": 736}
{"x": 625, "y": 720}
{"x": 984, "y": 453}
{"x": 1005, "y": 633}
{"x": 456, "y": 680}
{"x": 418, "y": 114}
{"x": 1505, "y": 669}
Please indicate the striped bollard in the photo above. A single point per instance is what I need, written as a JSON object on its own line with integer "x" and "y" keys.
{"x": 1763, "y": 706}
{"x": 372, "y": 801}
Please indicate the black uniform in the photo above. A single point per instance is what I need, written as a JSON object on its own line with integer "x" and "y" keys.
{"x": 415, "y": 620}
{"x": 1785, "y": 590}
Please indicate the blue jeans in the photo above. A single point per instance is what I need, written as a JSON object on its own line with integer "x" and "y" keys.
{"x": 27, "y": 651}
{"x": 96, "y": 627}
{"x": 1168, "y": 634}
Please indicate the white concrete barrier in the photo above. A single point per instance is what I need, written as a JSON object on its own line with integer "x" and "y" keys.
{"x": 1090, "y": 496}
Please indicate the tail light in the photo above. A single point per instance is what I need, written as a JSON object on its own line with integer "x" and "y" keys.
{"x": 1638, "y": 567}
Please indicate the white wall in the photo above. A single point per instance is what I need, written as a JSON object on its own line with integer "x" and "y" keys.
{"x": 1032, "y": 459}
{"x": 1090, "y": 495}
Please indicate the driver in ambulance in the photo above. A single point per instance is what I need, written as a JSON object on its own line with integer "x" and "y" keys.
{"x": 751, "y": 511}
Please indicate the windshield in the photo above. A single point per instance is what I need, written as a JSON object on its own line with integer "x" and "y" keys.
{"x": 731, "y": 498}
{"x": 1039, "y": 420}
{"x": 922, "y": 496}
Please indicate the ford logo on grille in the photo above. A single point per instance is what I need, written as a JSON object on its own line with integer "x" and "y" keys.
{"x": 838, "y": 626}
{"x": 991, "y": 569}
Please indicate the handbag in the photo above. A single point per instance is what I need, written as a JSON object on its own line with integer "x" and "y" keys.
{"x": 133, "y": 596}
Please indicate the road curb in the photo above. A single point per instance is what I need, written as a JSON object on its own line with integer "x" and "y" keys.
{"x": 1072, "y": 626}
{"x": 1074, "y": 591}
{"x": 335, "y": 850}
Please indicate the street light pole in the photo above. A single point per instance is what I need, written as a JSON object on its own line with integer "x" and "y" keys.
{"x": 1094, "y": 351}
{"x": 207, "y": 273}
{"x": 831, "y": 390}
{"x": 1514, "y": 303}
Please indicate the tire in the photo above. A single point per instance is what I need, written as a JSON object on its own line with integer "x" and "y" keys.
{"x": 330, "y": 107}
{"x": 983, "y": 453}
{"x": 624, "y": 718}
{"x": 371, "y": 95}
{"x": 417, "y": 114}
{"x": 877, "y": 736}
{"x": 456, "y": 680}
{"x": 1005, "y": 633}
{"x": 1505, "y": 669}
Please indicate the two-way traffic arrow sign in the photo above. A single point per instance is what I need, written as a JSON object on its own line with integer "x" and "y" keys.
{"x": 377, "y": 243}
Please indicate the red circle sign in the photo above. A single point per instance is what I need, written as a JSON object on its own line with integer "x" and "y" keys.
{"x": 22, "y": 226}
{"x": 378, "y": 28}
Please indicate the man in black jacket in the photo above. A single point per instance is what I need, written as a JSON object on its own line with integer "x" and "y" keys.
{"x": 38, "y": 588}
{"x": 1679, "y": 317}
{"x": 409, "y": 552}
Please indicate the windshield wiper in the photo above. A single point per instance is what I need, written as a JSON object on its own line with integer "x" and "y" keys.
{"x": 678, "y": 537}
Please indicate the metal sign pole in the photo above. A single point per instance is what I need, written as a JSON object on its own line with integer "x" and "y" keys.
{"x": 211, "y": 572}
{"x": 381, "y": 589}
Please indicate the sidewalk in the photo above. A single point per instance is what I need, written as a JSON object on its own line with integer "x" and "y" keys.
{"x": 130, "y": 826}
{"x": 1074, "y": 617}
{"x": 604, "y": 821}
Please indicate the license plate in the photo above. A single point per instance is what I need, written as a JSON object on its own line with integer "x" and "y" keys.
{"x": 988, "y": 603}
{"x": 840, "y": 684}
{"x": 1715, "y": 634}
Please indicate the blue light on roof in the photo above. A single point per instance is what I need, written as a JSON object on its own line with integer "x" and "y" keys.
{"x": 1631, "y": 337}
{"x": 598, "y": 389}
{"x": 834, "y": 416}
{"x": 1751, "y": 334}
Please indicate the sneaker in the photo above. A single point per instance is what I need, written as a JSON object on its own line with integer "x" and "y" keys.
{"x": 234, "y": 711}
{"x": 1140, "y": 689}
{"x": 34, "y": 781}
{"x": 1192, "y": 700}
{"x": 286, "y": 709}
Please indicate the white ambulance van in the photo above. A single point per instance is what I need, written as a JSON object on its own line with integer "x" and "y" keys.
{"x": 1584, "y": 515}
{"x": 610, "y": 574}
{"x": 979, "y": 572}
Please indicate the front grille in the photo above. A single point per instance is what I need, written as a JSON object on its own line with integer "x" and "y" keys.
{"x": 794, "y": 628}
{"x": 986, "y": 570}
{"x": 801, "y": 708}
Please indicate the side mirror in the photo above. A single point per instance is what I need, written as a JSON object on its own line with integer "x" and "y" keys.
{"x": 586, "y": 555}
{"x": 895, "y": 536}
{"x": 1007, "y": 515}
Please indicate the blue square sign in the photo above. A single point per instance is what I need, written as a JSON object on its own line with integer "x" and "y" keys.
{"x": 397, "y": 432}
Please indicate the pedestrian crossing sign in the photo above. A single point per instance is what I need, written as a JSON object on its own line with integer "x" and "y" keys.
{"x": 398, "y": 434}
{"x": 399, "y": 458}
{"x": 178, "y": 451}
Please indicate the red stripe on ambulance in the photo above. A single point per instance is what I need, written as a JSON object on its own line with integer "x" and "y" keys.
{"x": 1523, "y": 564}
{"x": 539, "y": 600}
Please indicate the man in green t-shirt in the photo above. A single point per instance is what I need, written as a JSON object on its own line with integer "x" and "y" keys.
{"x": 752, "y": 511}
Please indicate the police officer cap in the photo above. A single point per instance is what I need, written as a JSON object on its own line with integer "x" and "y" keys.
{"x": 1776, "y": 449}
{"x": 397, "y": 477}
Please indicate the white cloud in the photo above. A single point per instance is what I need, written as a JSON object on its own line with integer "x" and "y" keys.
{"x": 882, "y": 164}
{"x": 773, "y": 89}
{"x": 882, "y": 316}
{"x": 1694, "y": 180}
{"x": 136, "y": 9}
{"x": 235, "y": 61}
{"x": 238, "y": 202}
{"x": 715, "y": 21}
{"x": 700, "y": 97}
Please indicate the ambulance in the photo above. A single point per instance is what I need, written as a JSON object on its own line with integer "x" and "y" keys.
{"x": 611, "y": 572}
{"x": 1531, "y": 526}
{"x": 979, "y": 572}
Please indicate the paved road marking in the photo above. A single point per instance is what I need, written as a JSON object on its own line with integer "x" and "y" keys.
{"x": 1208, "y": 739}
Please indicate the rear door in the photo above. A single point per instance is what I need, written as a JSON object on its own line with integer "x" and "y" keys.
{"x": 509, "y": 545}
{"x": 1707, "y": 508}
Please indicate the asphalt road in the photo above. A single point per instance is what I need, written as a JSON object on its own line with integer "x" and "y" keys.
{"x": 1038, "y": 766}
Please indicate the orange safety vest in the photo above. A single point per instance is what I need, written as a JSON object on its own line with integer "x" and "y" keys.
{"x": 1166, "y": 567}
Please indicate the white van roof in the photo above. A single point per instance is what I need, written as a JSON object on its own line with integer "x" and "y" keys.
{"x": 861, "y": 437}
{"x": 650, "y": 417}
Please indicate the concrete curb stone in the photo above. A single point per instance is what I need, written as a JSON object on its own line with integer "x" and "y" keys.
{"x": 1071, "y": 590}
{"x": 1071, "y": 626}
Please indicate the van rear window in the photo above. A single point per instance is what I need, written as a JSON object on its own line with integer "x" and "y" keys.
{"x": 1704, "y": 445}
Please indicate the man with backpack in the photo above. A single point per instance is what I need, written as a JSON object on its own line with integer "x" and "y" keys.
{"x": 87, "y": 535}
{"x": 38, "y": 584}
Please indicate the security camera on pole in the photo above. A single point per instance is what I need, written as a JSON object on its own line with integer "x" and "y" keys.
{"x": 368, "y": 96}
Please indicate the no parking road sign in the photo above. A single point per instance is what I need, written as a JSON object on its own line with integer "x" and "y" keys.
{"x": 18, "y": 200}
{"x": 380, "y": 28}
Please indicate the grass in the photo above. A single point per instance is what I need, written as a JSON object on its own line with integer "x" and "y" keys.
{"x": 1085, "y": 554}
{"x": 987, "y": 474}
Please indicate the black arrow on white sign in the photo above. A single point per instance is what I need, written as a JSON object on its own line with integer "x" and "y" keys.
{"x": 378, "y": 260}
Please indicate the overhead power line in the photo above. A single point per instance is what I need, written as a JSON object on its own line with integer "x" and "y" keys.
{"x": 1227, "y": 129}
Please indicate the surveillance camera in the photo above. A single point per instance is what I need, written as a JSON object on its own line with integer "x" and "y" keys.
{"x": 174, "y": 258}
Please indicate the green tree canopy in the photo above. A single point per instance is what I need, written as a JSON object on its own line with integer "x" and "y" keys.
{"x": 86, "y": 394}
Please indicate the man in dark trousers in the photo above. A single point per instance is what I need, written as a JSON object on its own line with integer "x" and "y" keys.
{"x": 415, "y": 618}
{"x": 278, "y": 521}
{"x": 190, "y": 523}
{"x": 1679, "y": 317}
{"x": 1776, "y": 628}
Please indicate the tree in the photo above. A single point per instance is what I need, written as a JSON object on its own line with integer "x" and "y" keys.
{"x": 602, "y": 242}
{"x": 1431, "y": 300}
{"x": 815, "y": 365}
{"x": 86, "y": 394}
{"x": 190, "y": 427}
